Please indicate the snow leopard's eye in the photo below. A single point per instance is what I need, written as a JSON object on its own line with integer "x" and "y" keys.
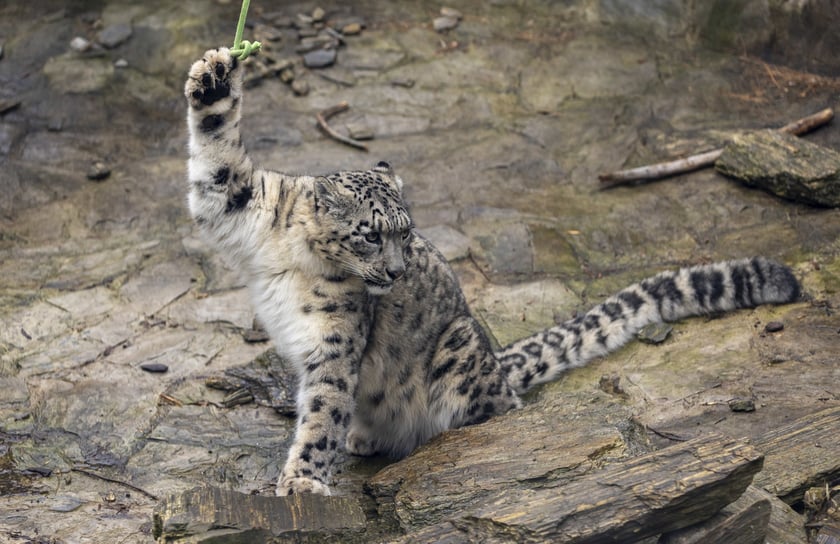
{"x": 373, "y": 237}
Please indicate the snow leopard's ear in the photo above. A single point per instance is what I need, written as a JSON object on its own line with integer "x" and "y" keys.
{"x": 386, "y": 168}
{"x": 333, "y": 198}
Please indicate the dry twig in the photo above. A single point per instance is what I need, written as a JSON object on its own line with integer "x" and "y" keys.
{"x": 114, "y": 481}
{"x": 694, "y": 162}
{"x": 324, "y": 115}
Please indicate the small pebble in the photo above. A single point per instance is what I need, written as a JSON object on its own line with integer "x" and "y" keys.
{"x": 774, "y": 326}
{"x": 360, "y": 131}
{"x": 304, "y": 20}
{"x": 307, "y": 32}
{"x": 451, "y": 12}
{"x": 300, "y": 87}
{"x": 287, "y": 75}
{"x": 611, "y": 383}
{"x": 742, "y": 404}
{"x": 655, "y": 333}
{"x": 318, "y": 14}
{"x": 319, "y": 58}
{"x": 121, "y": 63}
{"x": 114, "y": 35}
{"x": 253, "y": 336}
{"x": 268, "y": 33}
{"x": 79, "y": 44}
{"x": 403, "y": 82}
{"x": 442, "y": 24}
{"x": 65, "y": 503}
{"x": 314, "y": 42}
{"x": 155, "y": 368}
{"x": 351, "y": 29}
{"x": 98, "y": 171}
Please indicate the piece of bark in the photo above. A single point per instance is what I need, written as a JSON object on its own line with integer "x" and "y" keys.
{"x": 461, "y": 468}
{"x": 800, "y": 455}
{"x": 784, "y": 165}
{"x": 207, "y": 514}
{"x": 267, "y": 378}
{"x": 625, "y": 502}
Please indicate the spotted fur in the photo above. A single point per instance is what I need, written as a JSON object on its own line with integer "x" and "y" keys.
{"x": 368, "y": 312}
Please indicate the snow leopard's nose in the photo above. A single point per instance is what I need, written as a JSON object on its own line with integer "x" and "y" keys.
{"x": 395, "y": 272}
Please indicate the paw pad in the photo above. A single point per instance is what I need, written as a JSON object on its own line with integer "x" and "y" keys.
{"x": 210, "y": 78}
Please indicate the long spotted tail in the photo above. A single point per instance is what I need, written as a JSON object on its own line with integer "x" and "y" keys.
{"x": 668, "y": 296}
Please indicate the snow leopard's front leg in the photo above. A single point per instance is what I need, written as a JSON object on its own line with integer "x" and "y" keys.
{"x": 221, "y": 175}
{"x": 326, "y": 403}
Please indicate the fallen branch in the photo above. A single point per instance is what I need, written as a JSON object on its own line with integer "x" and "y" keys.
{"x": 695, "y": 162}
{"x": 322, "y": 118}
{"x": 114, "y": 481}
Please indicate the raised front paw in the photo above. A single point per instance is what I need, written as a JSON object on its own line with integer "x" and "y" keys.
{"x": 212, "y": 78}
{"x": 290, "y": 486}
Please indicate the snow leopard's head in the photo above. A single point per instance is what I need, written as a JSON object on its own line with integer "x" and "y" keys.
{"x": 364, "y": 226}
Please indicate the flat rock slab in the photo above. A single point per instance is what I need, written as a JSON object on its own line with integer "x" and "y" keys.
{"x": 745, "y": 521}
{"x": 784, "y": 165}
{"x": 533, "y": 447}
{"x": 800, "y": 455}
{"x": 114, "y": 35}
{"x": 625, "y": 502}
{"x": 757, "y": 517}
{"x": 211, "y": 514}
{"x": 786, "y": 525}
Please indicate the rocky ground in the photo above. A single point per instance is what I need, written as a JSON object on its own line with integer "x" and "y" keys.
{"x": 499, "y": 116}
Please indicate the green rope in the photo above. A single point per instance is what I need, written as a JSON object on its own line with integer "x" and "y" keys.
{"x": 243, "y": 48}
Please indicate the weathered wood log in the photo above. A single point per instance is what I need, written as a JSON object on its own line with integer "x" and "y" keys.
{"x": 800, "y": 455}
{"x": 625, "y": 502}
{"x": 211, "y": 514}
{"x": 784, "y": 165}
{"x": 554, "y": 441}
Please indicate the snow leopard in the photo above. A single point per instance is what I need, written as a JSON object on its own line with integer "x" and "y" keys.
{"x": 371, "y": 316}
